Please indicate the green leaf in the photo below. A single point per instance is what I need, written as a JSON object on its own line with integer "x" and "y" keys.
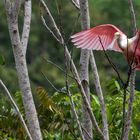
{"x": 2, "y": 60}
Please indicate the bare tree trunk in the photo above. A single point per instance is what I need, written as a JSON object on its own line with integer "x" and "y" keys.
{"x": 84, "y": 62}
{"x": 100, "y": 95}
{"x": 128, "y": 116}
{"x": 57, "y": 35}
{"x": 19, "y": 50}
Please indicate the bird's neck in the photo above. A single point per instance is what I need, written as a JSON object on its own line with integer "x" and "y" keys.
{"x": 124, "y": 43}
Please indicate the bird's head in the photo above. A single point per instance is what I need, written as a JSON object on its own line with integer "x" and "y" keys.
{"x": 117, "y": 35}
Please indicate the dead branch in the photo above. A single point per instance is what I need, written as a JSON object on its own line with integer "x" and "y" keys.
{"x": 131, "y": 75}
{"x": 99, "y": 94}
{"x": 84, "y": 64}
{"x": 70, "y": 96}
{"x": 26, "y": 25}
{"x": 77, "y": 78}
{"x": 76, "y": 3}
{"x": 17, "y": 109}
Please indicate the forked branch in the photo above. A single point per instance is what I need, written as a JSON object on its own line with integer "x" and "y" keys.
{"x": 75, "y": 73}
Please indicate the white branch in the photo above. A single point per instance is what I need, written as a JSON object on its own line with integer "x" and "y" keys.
{"x": 128, "y": 118}
{"x": 16, "y": 8}
{"x": 76, "y": 3}
{"x": 99, "y": 94}
{"x": 56, "y": 33}
{"x": 78, "y": 81}
{"x": 26, "y": 25}
{"x": 76, "y": 116}
{"x": 84, "y": 63}
{"x": 22, "y": 71}
{"x": 16, "y": 108}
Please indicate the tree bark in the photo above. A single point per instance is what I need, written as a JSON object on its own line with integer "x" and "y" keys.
{"x": 84, "y": 62}
{"x": 128, "y": 116}
{"x": 72, "y": 67}
{"x": 100, "y": 95}
{"x": 12, "y": 10}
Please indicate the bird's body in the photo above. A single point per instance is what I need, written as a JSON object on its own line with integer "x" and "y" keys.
{"x": 109, "y": 37}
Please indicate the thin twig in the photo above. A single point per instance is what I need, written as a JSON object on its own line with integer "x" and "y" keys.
{"x": 124, "y": 93}
{"x": 111, "y": 63}
{"x": 57, "y": 90}
{"x": 132, "y": 16}
{"x": 17, "y": 109}
{"x": 87, "y": 133}
{"x": 131, "y": 76}
{"x": 56, "y": 33}
{"x": 70, "y": 96}
{"x": 75, "y": 137}
{"x": 76, "y": 4}
{"x": 54, "y": 64}
{"x": 78, "y": 81}
{"x": 99, "y": 93}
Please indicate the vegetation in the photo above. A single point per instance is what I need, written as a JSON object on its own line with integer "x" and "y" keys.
{"x": 56, "y": 118}
{"x": 54, "y": 107}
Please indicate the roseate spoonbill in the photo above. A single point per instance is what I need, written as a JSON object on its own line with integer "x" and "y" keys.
{"x": 109, "y": 37}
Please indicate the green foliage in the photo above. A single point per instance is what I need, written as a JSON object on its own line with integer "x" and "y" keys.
{"x": 114, "y": 101}
{"x": 41, "y": 42}
{"x": 113, "y": 98}
{"x": 57, "y": 120}
{"x": 2, "y": 60}
{"x": 55, "y": 115}
{"x": 54, "y": 109}
{"x": 10, "y": 125}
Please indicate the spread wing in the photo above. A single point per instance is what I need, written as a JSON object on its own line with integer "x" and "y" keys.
{"x": 89, "y": 39}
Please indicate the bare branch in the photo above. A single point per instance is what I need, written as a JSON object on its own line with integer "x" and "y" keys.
{"x": 111, "y": 63}
{"x": 87, "y": 133}
{"x": 84, "y": 64}
{"x": 128, "y": 118}
{"x": 12, "y": 8}
{"x": 8, "y": 6}
{"x": 16, "y": 8}
{"x": 17, "y": 109}
{"x": 76, "y": 3}
{"x": 99, "y": 94}
{"x": 58, "y": 67}
{"x": 70, "y": 96}
{"x": 22, "y": 71}
{"x": 54, "y": 31}
{"x": 76, "y": 116}
{"x": 57, "y": 90}
{"x": 26, "y": 25}
{"x": 77, "y": 79}
{"x": 131, "y": 75}
{"x": 132, "y": 16}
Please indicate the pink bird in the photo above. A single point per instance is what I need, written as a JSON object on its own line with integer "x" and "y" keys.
{"x": 109, "y": 37}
